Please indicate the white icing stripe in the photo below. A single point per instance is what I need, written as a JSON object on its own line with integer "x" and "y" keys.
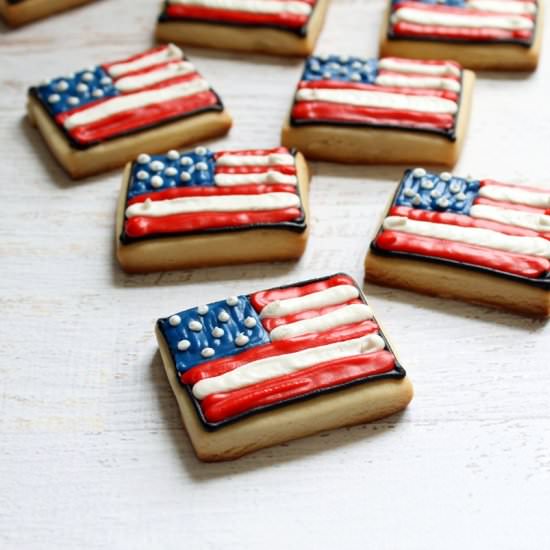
{"x": 425, "y": 104}
{"x": 531, "y": 246}
{"x": 503, "y": 6}
{"x": 432, "y": 82}
{"x": 133, "y": 101}
{"x": 529, "y": 220}
{"x": 272, "y": 159}
{"x": 226, "y": 203}
{"x": 132, "y": 83}
{"x": 406, "y": 66}
{"x": 293, "y": 7}
{"x": 170, "y": 53}
{"x": 353, "y": 313}
{"x": 264, "y": 178}
{"x": 516, "y": 195}
{"x": 324, "y": 298}
{"x": 446, "y": 19}
{"x": 273, "y": 367}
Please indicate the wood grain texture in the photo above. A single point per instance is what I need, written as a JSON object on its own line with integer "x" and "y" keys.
{"x": 93, "y": 454}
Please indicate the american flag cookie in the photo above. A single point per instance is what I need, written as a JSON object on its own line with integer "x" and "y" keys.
{"x": 479, "y": 34}
{"x": 256, "y": 370}
{"x": 389, "y": 110}
{"x": 102, "y": 117}
{"x": 201, "y": 208}
{"x": 20, "y": 12}
{"x": 282, "y": 27}
{"x": 477, "y": 240}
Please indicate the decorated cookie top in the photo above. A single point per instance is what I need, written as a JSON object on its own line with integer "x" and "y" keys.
{"x": 291, "y": 15}
{"x": 483, "y": 224}
{"x": 114, "y": 99}
{"x": 244, "y": 354}
{"x": 483, "y": 21}
{"x": 205, "y": 191}
{"x": 388, "y": 93}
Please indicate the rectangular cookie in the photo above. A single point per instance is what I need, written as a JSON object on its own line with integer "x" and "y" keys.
{"x": 479, "y": 34}
{"x": 20, "y": 12}
{"x": 102, "y": 117}
{"x": 201, "y": 208}
{"x": 256, "y": 370}
{"x": 389, "y": 110}
{"x": 282, "y": 27}
{"x": 481, "y": 241}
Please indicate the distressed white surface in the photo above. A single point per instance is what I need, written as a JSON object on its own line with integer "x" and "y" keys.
{"x": 92, "y": 452}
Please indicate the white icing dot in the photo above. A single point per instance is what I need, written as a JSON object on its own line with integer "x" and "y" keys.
{"x": 73, "y": 100}
{"x": 201, "y": 166}
{"x": 156, "y": 165}
{"x": 232, "y": 301}
{"x": 223, "y": 316}
{"x": 454, "y": 187}
{"x": 54, "y": 98}
{"x": 333, "y": 65}
{"x": 326, "y": 75}
{"x": 469, "y": 178}
{"x": 426, "y": 184}
{"x": 143, "y": 158}
{"x": 87, "y": 77}
{"x": 419, "y": 172}
{"x": 105, "y": 81}
{"x": 175, "y": 320}
{"x": 184, "y": 345}
{"x": 250, "y": 322}
{"x": 82, "y": 87}
{"x": 201, "y": 151}
{"x": 409, "y": 192}
{"x": 343, "y": 58}
{"x": 207, "y": 352}
{"x": 97, "y": 93}
{"x": 46, "y": 82}
{"x": 242, "y": 339}
{"x": 323, "y": 57}
{"x": 461, "y": 197}
{"x": 446, "y": 176}
{"x": 62, "y": 85}
{"x": 314, "y": 66}
{"x": 417, "y": 200}
{"x": 157, "y": 181}
{"x": 343, "y": 70}
{"x": 142, "y": 175}
{"x": 356, "y": 77}
{"x": 356, "y": 65}
{"x": 185, "y": 176}
{"x": 435, "y": 194}
{"x": 173, "y": 155}
{"x": 170, "y": 171}
{"x": 217, "y": 332}
{"x": 443, "y": 202}
{"x": 186, "y": 161}
{"x": 195, "y": 326}
{"x": 202, "y": 310}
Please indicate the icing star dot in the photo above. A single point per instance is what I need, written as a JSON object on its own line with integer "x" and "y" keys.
{"x": 105, "y": 81}
{"x": 409, "y": 192}
{"x": 142, "y": 175}
{"x": 461, "y": 197}
{"x": 454, "y": 187}
{"x": 232, "y": 301}
{"x": 175, "y": 320}
{"x": 144, "y": 159}
{"x": 82, "y": 88}
{"x": 173, "y": 155}
{"x": 171, "y": 171}
{"x": 97, "y": 93}
{"x": 195, "y": 326}
{"x": 157, "y": 181}
{"x": 427, "y": 184}
{"x": 242, "y": 340}
{"x": 73, "y": 100}
{"x": 157, "y": 166}
{"x": 435, "y": 194}
{"x": 417, "y": 201}
{"x": 343, "y": 59}
{"x": 419, "y": 172}
{"x": 314, "y": 66}
{"x": 186, "y": 161}
{"x": 184, "y": 345}
{"x": 327, "y": 75}
{"x": 217, "y": 332}
{"x": 202, "y": 310}
{"x": 207, "y": 352}
{"x": 201, "y": 151}
{"x": 334, "y": 66}
{"x": 202, "y": 166}
{"x": 185, "y": 176}
{"x": 356, "y": 77}
{"x": 446, "y": 176}
{"x": 87, "y": 77}
{"x": 443, "y": 202}
{"x": 54, "y": 98}
{"x": 223, "y": 316}
{"x": 62, "y": 86}
{"x": 356, "y": 65}
{"x": 250, "y": 322}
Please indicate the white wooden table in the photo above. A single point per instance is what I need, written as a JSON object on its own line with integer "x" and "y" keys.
{"x": 92, "y": 451}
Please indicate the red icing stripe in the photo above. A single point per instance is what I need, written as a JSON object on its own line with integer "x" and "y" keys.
{"x": 464, "y": 221}
{"x": 198, "y": 12}
{"x": 253, "y": 152}
{"x": 260, "y": 299}
{"x": 270, "y": 323}
{"x": 196, "y": 191}
{"x": 141, "y": 226}
{"x": 156, "y": 49}
{"x": 339, "y": 112}
{"x": 517, "y": 264}
{"x": 511, "y": 205}
{"x": 289, "y": 170}
{"x": 221, "y": 406}
{"x": 279, "y": 347}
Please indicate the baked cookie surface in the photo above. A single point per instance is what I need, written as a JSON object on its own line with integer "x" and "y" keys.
{"x": 20, "y": 12}
{"x": 255, "y": 370}
{"x": 389, "y": 110}
{"x": 477, "y": 240}
{"x": 283, "y": 27}
{"x": 201, "y": 208}
{"x": 479, "y": 34}
{"x": 103, "y": 116}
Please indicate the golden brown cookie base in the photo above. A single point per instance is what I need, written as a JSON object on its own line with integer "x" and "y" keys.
{"x": 216, "y": 248}
{"x": 116, "y": 152}
{"x": 347, "y": 407}
{"x": 498, "y": 57}
{"x": 456, "y": 283}
{"x": 16, "y": 15}
{"x": 228, "y": 37}
{"x": 369, "y": 145}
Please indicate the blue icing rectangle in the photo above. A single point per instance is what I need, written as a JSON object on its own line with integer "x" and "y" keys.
{"x": 152, "y": 173}
{"x": 81, "y": 88}
{"x": 206, "y": 333}
{"x": 437, "y": 192}
{"x": 342, "y": 68}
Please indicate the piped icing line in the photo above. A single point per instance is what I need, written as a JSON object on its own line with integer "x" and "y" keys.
{"x": 346, "y": 315}
{"x": 515, "y": 195}
{"x": 441, "y": 68}
{"x": 272, "y": 367}
{"x": 271, "y": 177}
{"x": 532, "y": 246}
{"x": 329, "y": 296}
{"x": 294, "y": 7}
{"x": 499, "y": 6}
{"x": 270, "y": 159}
{"x": 529, "y": 220}
{"x": 156, "y": 56}
{"x": 143, "y": 80}
{"x": 434, "y": 83}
